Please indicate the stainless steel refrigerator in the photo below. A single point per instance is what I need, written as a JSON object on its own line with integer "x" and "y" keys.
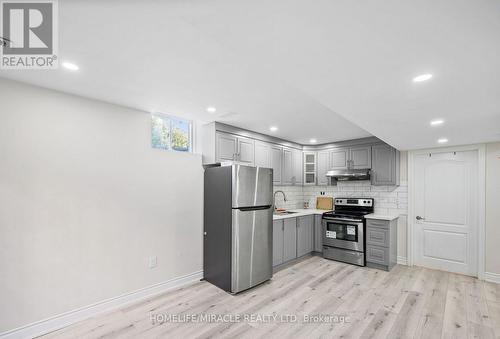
{"x": 238, "y": 226}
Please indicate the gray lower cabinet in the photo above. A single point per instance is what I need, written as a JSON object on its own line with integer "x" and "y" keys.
{"x": 385, "y": 165}
{"x": 278, "y": 236}
{"x": 289, "y": 239}
{"x": 318, "y": 234}
{"x": 305, "y": 232}
{"x": 295, "y": 237}
{"x": 381, "y": 243}
{"x": 284, "y": 240}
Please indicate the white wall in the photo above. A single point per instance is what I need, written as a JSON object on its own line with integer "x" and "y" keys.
{"x": 492, "y": 250}
{"x": 84, "y": 202}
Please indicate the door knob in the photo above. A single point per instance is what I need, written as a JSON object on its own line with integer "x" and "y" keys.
{"x": 418, "y": 217}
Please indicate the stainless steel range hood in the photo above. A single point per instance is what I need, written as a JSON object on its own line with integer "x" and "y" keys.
{"x": 349, "y": 174}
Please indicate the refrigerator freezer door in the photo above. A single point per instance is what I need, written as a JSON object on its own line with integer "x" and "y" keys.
{"x": 252, "y": 186}
{"x": 252, "y": 250}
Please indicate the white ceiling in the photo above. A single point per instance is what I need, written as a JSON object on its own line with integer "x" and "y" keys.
{"x": 330, "y": 70}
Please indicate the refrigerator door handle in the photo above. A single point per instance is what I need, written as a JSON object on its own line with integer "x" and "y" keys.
{"x": 253, "y": 208}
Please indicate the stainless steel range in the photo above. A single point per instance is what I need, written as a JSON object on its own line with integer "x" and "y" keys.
{"x": 344, "y": 230}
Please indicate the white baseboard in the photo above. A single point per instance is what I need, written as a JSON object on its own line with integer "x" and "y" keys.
{"x": 402, "y": 260}
{"x": 492, "y": 277}
{"x": 59, "y": 321}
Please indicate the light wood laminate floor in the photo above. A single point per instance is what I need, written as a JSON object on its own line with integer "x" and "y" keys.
{"x": 408, "y": 302}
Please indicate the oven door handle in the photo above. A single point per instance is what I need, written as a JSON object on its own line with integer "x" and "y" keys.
{"x": 349, "y": 220}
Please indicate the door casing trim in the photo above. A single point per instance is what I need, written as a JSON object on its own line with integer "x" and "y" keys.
{"x": 481, "y": 229}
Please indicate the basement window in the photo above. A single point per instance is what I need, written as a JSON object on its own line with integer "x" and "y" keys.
{"x": 171, "y": 133}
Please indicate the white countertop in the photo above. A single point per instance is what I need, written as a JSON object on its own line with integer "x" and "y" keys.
{"x": 300, "y": 212}
{"x": 381, "y": 217}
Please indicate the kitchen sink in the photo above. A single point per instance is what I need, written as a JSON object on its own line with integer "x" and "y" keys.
{"x": 284, "y": 212}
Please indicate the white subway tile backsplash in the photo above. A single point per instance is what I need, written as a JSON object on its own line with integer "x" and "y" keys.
{"x": 388, "y": 199}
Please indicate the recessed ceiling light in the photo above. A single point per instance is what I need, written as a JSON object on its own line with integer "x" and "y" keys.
{"x": 442, "y": 140}
{"x": 313, "y": 141}
{"x": 422, "y": 77}
{"x": 273, "y": 128}
{"x": 211, "y": 109}
{"x": 437, "y": 122}
{"x": 70, "y": 66}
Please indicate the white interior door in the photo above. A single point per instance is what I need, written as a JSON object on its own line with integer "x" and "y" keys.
{"x": 446, "y": 211}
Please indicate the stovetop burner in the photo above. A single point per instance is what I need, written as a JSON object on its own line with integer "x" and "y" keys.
{"x": 351, "y": 208}
{"x": 346, "y": 214}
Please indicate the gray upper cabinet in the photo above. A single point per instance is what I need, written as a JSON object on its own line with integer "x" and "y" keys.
{"x": 287, "y": 170}
{"x": 351, "y": 157}
{"x": 227, "y": 143}
{"x": 305, "y": 232}
{"x": 310, "y": 168}
{"x": 385, "y": 165}
{"x": 262, "y": 154}
{"x": 360, "y": 157}
{"x": 289, "y": 239}
{"x": 298, "y": 168}
{"x": 339, "y": 158}
{"x": 276, "y": 163}
{"x": 323, "y": 167}
{"x": 233, "y": 148}
{"x": 246, "y": 149}
{"x": 278, "y": 238}
{"x": 292, "y": 167}
{"x": 227, "y": 147}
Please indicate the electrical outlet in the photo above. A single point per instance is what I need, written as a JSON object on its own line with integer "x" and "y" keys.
{"x": 153, "y": 261}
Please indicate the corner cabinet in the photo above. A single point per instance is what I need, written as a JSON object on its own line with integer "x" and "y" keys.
{"x": 385, "y": 165}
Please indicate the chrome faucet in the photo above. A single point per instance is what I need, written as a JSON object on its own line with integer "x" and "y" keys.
{"x": 274, "y": 199}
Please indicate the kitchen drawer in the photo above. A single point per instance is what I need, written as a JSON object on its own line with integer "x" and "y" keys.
{"x": 378, "y": 223}
{"x": 377, "y": 236}
{"x": 377, "y": 255}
